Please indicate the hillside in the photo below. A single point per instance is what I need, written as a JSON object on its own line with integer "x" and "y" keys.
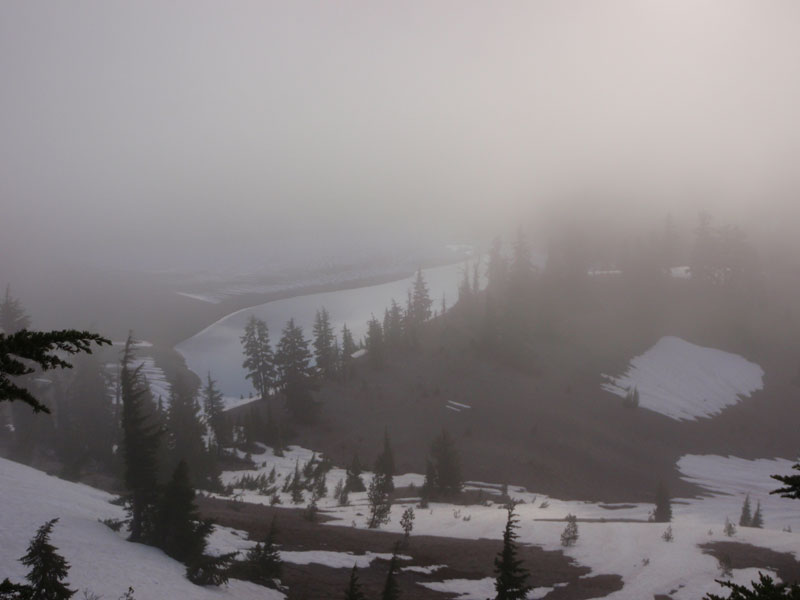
{"x": 546, "y": 419}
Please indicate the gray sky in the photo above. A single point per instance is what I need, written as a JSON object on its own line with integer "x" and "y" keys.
{"x": 199, "y": 132}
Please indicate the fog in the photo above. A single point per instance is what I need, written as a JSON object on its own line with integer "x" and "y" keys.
{"x": 201, "y": 135}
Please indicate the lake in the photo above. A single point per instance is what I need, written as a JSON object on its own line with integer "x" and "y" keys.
{"x": 218, "y": 347}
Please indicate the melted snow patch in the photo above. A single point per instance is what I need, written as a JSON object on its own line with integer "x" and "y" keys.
{"x": 686, "y": 382}
{"x": 477, "y": 589}
{"x": 335, "y": 560}
{"x": 424, "y": 570}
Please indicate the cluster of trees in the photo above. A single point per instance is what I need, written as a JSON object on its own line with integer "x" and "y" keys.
{"x": 748, "y": 518}
{"x": 523, "y": 302}
{"x": 288, "y": 369}
{"x": 443, "y": 479}
{"x": 153, "y": 442}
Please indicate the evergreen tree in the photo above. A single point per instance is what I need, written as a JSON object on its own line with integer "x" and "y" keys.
{"x": 631, "y": 398}
{"x": 353, "y": 591}
{"x": 384, "y": 464}
{"x": 179, "y": 531}
{"x": 380, "y": 506}
{"x": 296, "y": 486}
{"x": 521, "y": 271}
{"x": 791, "y": 483}
{"x": 570, "y": 534}
{"x": 86, "y": 426}
{"x": 703, "y": 263}
{"x": 374, "y": 343}
{"x": 20, "y": 350}
{"x": 758, "y": 519}
{"x": 421, "y": 302}
{"x": 511, "y": 582}
{"x": 354, "y": 482}
{"x": 465, "y": 291}
{"x": 214, "y": 410}
{"x": 346, "y": 353}
{"x": 729, "y": 529}
{"x": 446, "y": 466}
{"x": 48, "y": 569}
{"x": 391, "y": 591}
{"x": 393, "y": 325}
{"x": 259, "y": 361}
{"x": 12, "y": 315}
{"x": 294, "y": 373}
{"x": 344, "y": 497}
{"x": 668, "y": 536}
{"x": 497, "y": 269}
{"x": 14, "y": 591}
{"x": 663, "y": 510}
{"x": 263, "y": 563}
{"x": 348, "y": 344}
{"x": 430, "y": 484}
{"x": 185, "y": 433}
{"x": 324, "y": 354}
{"x": 764, "y": 589}
{"x": 746, "y": 517}
{"x": 140, "y": 442}
{"x": 407, "y": 523}
{"x": 210, "y": 570}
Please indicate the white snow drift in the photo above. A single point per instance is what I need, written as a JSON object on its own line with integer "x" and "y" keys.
{"x": 686, "y": 382}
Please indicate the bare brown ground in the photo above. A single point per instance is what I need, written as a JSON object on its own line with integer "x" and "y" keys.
{"x": 744, "y": 556}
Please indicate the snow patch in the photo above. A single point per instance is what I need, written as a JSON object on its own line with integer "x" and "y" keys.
{"x": 336, "y": 560}
{"x": 686, "y": 382}
{"x": 476, "y": 589}
{"x": 424, "y": 570}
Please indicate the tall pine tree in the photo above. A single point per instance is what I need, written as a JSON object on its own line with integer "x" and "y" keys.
{"x": 421, "y": 302}
{"x": 214, "y": 410}
{"x": 185, "y": 434}
{"x": 353, "y": 591}
{"x": 324, "y": 344}
{"x": 384, "y": 464}
{"x": 179, "y": 531}
{"x": 259, "y": 361}
{"x": 663, "y": 510}
{"x": 391, "y": 590}
{"x": 141, "y": 434}
{"x": 13, "y": 317}
{"x": 295, "y": 376}
{"x": 446, "y": 466}
{"x": 374, "y": 343}
{"x": 511, "y": 582}
{"x": 48, "y": 568}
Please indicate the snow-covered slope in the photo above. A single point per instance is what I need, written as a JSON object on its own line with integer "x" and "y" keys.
{"x": 101, "y": 560}
{"x": 685, "y": 382}
{"x": 728, "y": 479}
